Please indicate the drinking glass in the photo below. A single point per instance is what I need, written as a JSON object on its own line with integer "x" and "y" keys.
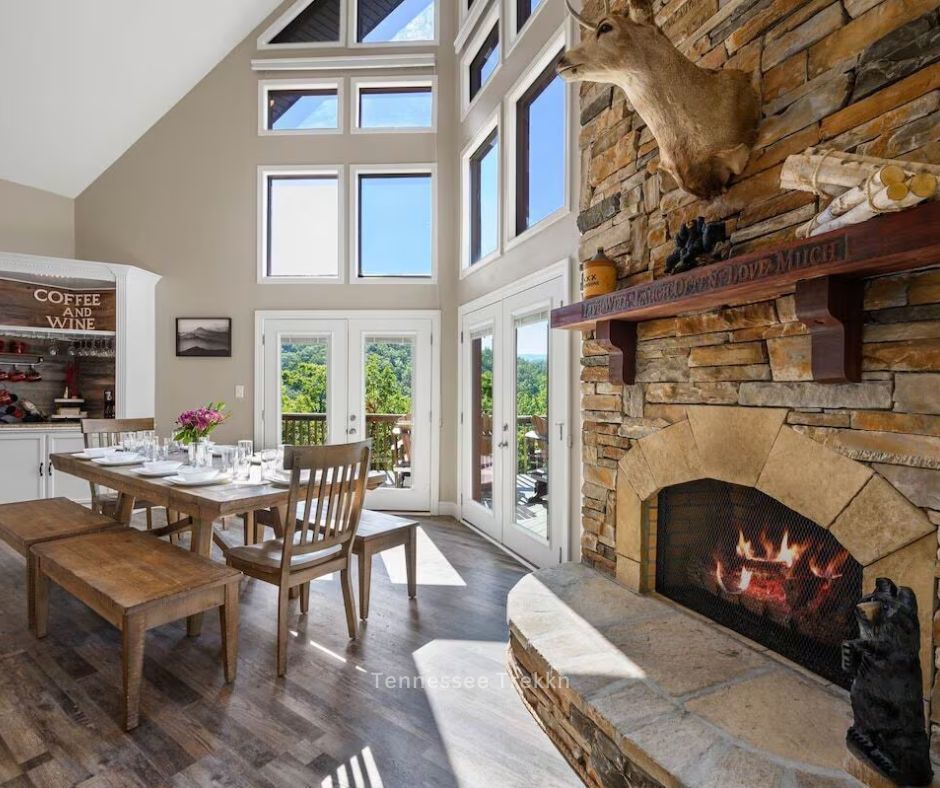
{"x": 268, "y": 462}
{"x": 247, "y": 446}
{"x": 242, "y": 462}
{"x": 227, "y": 458}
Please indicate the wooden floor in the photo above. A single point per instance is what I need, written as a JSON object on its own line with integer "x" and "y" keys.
{"x": 394, "y": 708}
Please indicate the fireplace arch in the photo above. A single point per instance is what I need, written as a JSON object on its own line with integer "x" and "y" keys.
{"x": 752, "y": 447}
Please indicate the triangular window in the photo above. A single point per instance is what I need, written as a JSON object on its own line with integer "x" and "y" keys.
{"x": 317, "y": 23}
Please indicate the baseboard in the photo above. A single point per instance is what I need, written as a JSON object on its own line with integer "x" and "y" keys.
{"x": 448, "y": 509}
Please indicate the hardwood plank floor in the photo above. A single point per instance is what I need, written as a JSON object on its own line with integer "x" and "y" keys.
{"x": 421, "y": 698}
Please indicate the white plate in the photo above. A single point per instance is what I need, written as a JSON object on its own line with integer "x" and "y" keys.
{"x": 90, "y": 454}
{"x": 282, "y": 478}
{"x": 217, "y": 450}
{"x": 158, "y": 472}
{"x": 121, "y": 458}
{"x": 184, "y": 482}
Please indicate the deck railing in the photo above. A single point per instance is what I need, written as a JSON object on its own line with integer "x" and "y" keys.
{"x": 310, "y": 429}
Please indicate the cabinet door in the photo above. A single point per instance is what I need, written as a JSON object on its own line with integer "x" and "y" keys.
{"x": 20, "y": 458}
{"x": 59, "y": 484}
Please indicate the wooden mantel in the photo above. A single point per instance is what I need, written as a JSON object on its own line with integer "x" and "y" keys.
{"x": 825, "y": 272}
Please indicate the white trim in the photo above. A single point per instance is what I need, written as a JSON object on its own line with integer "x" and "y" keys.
{"x": 355, "y": 171}
{"x": 470, "y": 19}
{"x": 265, "y": 86}
{"x": 448, "y": 509}
{"x": 296, "y": 8}
{"x": 512, "y": 35}
{"x": 558, "y": 269}
{"x": 357, "y": 83}
{"x": 493, "y": 122}
{"x": 558, "y": 42}
{"x": 426, "y": 60}
{"x": 491, "y": 20}
{"x": 434, "y": 315}
{"x": 264, "y": 171}
{"x": 354, "y": 43}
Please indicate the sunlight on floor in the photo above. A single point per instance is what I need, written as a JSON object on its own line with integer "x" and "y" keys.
{"x": 467, "y": 687}
{"x": 360, "y": 771}
{"x": 433, "y": 568}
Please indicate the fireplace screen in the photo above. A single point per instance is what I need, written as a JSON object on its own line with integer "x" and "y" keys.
{"x": 750, "y": 563}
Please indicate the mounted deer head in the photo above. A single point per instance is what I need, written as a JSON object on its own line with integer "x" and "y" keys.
{"x": 705, "y": 121}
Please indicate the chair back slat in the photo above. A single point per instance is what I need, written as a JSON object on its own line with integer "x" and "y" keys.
{"x": 323, "y": 511}
{"x": 99, "y": 433}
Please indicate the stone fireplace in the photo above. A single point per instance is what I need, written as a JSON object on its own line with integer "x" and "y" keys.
{"x": 739, "y": 517}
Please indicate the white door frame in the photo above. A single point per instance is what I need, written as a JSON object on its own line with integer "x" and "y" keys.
{"x": 558, "y": 270}
{"x": 434, "y": 315}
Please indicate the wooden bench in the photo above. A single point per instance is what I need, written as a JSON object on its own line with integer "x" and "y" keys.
{"x": 29, "y": 523}
{"x": 378, "y": 532}
{"x": 136, "y": 582}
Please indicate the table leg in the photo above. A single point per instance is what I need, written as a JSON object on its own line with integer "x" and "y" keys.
{"x": 132, "y": 667}
{"x": 40, "y": 599}
{"x": 31, "y": 562}
{"x": 411, "y": 561}
{"x": 201, "y": 545}
{"x": 365, "y": 582}
{"x": 228, "y": 620}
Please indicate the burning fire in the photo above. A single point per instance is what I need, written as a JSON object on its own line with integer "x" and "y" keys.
{"x": 768, "y": 572}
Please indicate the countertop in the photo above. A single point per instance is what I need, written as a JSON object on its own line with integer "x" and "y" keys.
{"x": 74, "y": 426}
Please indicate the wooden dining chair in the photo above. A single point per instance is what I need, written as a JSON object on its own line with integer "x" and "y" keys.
{"x": 323, "y": 514}
{"x": 99, "y": 433}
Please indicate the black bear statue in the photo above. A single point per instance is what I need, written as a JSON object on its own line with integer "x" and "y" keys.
{"x": 889, "y": 731}
{"x": 698, "y": 242}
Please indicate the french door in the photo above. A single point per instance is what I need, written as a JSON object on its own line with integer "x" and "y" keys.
{"x": 514, "y": 414}
{"x": 337, "y": 380}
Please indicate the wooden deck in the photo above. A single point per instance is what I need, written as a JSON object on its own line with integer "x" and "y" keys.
{"x": 326, "y": 724}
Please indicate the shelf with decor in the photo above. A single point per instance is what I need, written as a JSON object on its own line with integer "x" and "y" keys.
{"x": 826, "y": 274}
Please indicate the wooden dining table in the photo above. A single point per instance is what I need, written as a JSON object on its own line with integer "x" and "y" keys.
{"x": 203, "y": 505}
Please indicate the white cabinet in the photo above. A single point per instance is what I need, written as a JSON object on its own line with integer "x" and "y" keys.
{"x": 64, "y": 485}
{"x": 25, "y": 471}
{"x": 22, "y": 455}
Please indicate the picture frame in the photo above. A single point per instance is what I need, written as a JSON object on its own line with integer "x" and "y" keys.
{"x": 203, "y": 337}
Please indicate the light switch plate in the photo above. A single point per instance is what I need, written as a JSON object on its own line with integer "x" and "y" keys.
{"x": 239, "y": 392}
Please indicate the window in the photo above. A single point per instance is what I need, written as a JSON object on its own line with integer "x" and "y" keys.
{"x": 394, "y": 224}
{"x": 395, "y": 107}
{"x": 484, "y": 62}
{"x": 484, "y": 198}
{"x": 524, "y": 9}
{"x": 540, "y": 149}
{"x": 383, "y": 21}
{"x": 301, "y": 224}
{"x": 318, "y": 23}
{"x": 301, "y": 108}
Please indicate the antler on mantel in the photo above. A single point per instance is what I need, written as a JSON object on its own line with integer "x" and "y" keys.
{"x": 704, "y": 120}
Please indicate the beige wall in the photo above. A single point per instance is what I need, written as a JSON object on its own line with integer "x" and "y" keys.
{"x": 33, "y": 221}
{"x": 182, "y": 202}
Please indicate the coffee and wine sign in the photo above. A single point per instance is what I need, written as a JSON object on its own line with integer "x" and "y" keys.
{"x": 45, "y": 306}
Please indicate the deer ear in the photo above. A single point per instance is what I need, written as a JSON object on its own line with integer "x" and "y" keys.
{"x": 735, "y": 159}
{"x": 640, "y": 11}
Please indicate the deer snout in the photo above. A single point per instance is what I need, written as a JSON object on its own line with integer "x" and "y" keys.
{"x": 565, "y": 67}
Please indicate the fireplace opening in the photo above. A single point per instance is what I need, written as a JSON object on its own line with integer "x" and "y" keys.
{"x": 748, "y": 562}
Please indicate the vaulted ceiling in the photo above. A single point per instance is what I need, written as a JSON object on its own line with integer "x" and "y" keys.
{"x": 82, "y": 80}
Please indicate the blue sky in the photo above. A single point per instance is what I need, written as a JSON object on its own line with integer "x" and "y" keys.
{"x": 395, "y": 110}
{"x": 396, "y": 226}
{"x": 547, "y": 152}
{"x": 412, "y": 20}
{"x": 309, "y": 112}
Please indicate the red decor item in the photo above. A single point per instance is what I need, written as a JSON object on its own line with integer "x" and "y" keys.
{"x": 33, "y": 375}
{"x": 17, "y": 375}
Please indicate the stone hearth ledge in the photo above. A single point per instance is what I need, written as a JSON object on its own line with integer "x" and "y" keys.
{"x": 634, "y": 691}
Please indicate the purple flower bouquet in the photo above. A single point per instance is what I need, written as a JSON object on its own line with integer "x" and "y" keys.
{"x": 191, "y": 425}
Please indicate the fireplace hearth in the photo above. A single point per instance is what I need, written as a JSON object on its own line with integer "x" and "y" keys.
{"x": 748, "y": 562}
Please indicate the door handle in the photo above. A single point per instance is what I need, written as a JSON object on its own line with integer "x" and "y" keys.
{"x": 351, "y": 431}
{"x": 502, "y": 444}
{"x": 40, "y": 468}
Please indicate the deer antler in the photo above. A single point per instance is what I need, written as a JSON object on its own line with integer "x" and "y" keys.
{"x": 580, "y": 19}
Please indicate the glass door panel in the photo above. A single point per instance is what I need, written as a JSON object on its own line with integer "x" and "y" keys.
{"x": 304, "y": 382}
{"x": 531, "y": 423}
{"x": 305, "y": 363}
{"x": 481, "y": 415}
{"x": 390, "y": 402}
{"x": 389, "y": 383}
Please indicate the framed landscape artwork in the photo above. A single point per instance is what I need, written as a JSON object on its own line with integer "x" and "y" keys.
{"x": 203, "y": 336}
